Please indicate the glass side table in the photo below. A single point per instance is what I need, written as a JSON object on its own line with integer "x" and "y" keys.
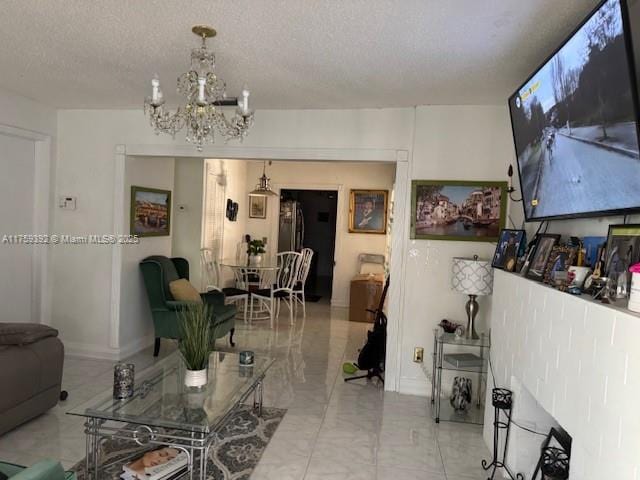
{"x": 465, "y": 358}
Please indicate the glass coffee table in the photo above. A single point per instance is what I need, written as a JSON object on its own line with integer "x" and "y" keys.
{"x": 163, "y": 411}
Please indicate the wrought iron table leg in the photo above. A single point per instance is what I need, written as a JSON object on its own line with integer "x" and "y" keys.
{"x": 257, "y": 398}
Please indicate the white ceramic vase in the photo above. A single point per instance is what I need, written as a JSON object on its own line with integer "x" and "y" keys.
{"x": 256, "y": 259}
{"x": 195, "y": 378}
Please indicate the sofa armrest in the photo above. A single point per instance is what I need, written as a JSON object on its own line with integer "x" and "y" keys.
{"x": 44, "y": 470}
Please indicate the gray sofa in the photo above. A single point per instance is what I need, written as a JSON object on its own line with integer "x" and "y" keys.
{"x": 31, "y": 360}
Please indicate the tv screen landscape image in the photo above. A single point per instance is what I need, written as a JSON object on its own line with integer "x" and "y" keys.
{"x": 575, "y": 124}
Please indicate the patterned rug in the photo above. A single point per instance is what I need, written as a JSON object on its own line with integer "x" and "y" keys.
{"x": 243, "y": 439}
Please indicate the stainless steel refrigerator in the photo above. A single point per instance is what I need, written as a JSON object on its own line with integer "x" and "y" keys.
{"x": 291, "y": 231}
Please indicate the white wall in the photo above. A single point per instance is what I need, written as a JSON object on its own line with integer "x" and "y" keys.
{"x": 87, "y": 141}
{"x": 28, "y": 119}
{"x": 451, "y": 143}
{"x": 22, "y": 112}
{"x": 186, "y": 230}
{"x": 17, "y": 193}
{"x": 579, "y": 359}
{"x": 318, "y": 175}
{"x": 235, "y": 172}
{"x": 136, "y": 326}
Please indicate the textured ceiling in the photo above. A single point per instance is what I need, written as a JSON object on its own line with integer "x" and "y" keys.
{"x": 291, "y": 53}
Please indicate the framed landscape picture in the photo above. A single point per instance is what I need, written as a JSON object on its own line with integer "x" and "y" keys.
{"x": 150, "y": 212}
{"x": 368, "y": 211}
{"x": 257, "y": 206}
{"x": 458, "y": 210}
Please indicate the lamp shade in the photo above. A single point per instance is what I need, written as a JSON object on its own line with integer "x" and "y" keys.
{"x": 472, "y": 276}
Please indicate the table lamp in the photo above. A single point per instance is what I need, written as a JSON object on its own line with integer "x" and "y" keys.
{"x": 472, "y": 277}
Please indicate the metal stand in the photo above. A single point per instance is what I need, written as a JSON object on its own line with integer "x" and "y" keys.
{"x": 502, "y": 400}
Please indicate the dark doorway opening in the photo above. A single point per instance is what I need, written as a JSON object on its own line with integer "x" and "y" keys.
{"x": 317, "y": 231}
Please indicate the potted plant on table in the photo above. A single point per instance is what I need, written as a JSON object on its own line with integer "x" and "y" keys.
{"x": 197, "y": 342}
{"x": 256, "y": 249}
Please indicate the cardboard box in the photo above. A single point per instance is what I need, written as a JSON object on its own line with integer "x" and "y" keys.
{"x": 366, "y": 290}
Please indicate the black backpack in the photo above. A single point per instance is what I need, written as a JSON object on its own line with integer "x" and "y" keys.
{"x": 373, "y": 353}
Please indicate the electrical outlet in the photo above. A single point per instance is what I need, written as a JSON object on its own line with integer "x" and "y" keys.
{"x": 418, "y": 354}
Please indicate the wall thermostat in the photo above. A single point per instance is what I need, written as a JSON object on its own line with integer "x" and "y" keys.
{"x": 66, "y": 202}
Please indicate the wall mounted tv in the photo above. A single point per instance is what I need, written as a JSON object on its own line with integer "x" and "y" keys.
{"x": 575, "y": 124}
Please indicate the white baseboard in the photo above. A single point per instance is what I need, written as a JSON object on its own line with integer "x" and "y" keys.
{"x": 415, "y": 386}
{"x": 340, "y": 302}
{"x": 101, "y": 352}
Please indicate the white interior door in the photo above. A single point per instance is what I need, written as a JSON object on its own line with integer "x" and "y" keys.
{"x": 17, "y": 193}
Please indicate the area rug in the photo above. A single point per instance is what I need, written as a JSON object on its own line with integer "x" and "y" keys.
{"x": 243, "y": 439}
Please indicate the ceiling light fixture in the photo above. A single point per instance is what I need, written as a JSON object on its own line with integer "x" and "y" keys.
{"x": 263, "y": 187}
{"x": 206, "y": 95}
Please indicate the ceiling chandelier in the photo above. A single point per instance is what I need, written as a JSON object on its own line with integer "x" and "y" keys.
{"x": 206, "y": 95}
{"x": 263, "y": 187}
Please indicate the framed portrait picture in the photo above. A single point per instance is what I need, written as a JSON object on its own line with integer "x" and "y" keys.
{"x": 559, "y": 261}
{"x": 622, "y": 250}
{"x": 538, "y": 261}
{"x": 510, "y": 243}
{"x": 150, "y": 212}
{"x": 458, "y": 210}
{"x": 368, "y": 211}
{"x": 257, "y": 206}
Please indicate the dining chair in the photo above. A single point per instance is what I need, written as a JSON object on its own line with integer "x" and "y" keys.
{"x": 303, "y": 273}
{"x": 213, "y": 277}
{"x": 281, "y": 289}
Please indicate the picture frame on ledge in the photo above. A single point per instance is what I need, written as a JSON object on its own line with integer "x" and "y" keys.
{"x": 622, "y": 248}
{"x": 510, "y": 245}
{"x": 558, "y": 263}
{"x": 538, "y": 260}
{"x": 150, "y": 212}
{"x": 458, "y": 210}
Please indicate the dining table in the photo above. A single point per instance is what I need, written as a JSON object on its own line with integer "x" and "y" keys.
{"x": 253, "y": 275}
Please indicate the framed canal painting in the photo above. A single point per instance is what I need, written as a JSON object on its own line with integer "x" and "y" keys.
{"x": 150, "y": 212}
{"x": 458, "y": 210}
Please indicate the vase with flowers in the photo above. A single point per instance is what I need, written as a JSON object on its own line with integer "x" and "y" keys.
{"x": 256, "y": 249}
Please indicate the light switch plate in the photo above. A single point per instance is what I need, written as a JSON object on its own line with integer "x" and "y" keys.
{"x": 418, "y": 354}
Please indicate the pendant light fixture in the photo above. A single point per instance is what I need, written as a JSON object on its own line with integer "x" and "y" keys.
{"x": 263, "y": 187}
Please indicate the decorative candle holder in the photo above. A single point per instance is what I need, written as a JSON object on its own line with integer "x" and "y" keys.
{"x": 246, "y": 358}
{"x": 123, "y": 380}
{"x": 555, "y": 464}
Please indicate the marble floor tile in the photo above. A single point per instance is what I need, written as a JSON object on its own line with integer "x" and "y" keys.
{"x": 332, "y": 430}
{"x": 328, "y": 468}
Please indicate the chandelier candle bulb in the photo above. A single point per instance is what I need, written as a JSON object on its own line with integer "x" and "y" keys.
{"x": 201, "y": 98}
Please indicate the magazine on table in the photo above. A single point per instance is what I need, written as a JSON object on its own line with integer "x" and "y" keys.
{"x": 159, "y": 464}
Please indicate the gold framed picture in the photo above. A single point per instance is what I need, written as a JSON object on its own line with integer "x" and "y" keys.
{"x": 368, "y": 211}
{"x": 257, "y": 206}
{"x": 150, "y": 212}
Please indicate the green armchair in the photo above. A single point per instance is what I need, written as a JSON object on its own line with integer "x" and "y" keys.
{"x": 44, "y": 470}
{"x": 158, "y": 271}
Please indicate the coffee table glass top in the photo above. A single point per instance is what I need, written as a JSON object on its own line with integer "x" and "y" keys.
{"x": 161, "y": 399}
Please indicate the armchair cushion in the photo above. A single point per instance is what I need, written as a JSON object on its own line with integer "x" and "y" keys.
{"x": 182, "y": 290}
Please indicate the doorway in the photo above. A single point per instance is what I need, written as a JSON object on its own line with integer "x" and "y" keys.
{"x": 317, "y": 210}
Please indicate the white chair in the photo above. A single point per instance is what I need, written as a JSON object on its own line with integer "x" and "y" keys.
{"x": 303, "y": 273}
{"x": 211, "y": 271}
{"x": 280, "y": 287}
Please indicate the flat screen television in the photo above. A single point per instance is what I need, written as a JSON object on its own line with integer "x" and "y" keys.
{"x": 575, "y": 124}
